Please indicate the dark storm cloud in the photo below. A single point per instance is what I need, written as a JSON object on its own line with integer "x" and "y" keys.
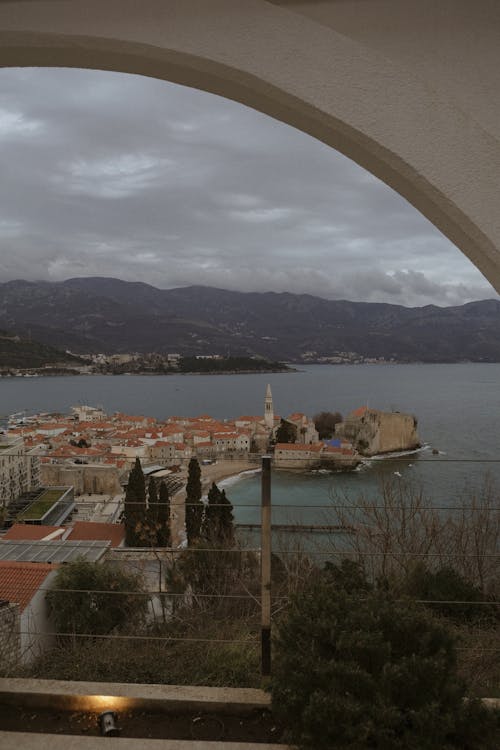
{"x": 107, "y": 174}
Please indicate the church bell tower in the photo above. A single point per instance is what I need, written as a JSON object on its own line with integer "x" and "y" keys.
{"x": 269, "y": 409}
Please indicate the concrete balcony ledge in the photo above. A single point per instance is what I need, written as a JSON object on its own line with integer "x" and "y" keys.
{"x": 97, "y": 696}
{"x": 28, "y": 741}
{"x": 94, "y": 696}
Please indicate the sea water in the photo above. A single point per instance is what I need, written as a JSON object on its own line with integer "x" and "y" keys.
{"x": 457, "y": 407}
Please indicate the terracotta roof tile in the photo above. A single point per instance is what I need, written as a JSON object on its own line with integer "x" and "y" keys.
{"x": 29, "y": 532}
{"x": 312, "y": 448}
{"x": 359, "y": 412}
{"x": 19, "y": 581}
{"x": 89, "y": 531}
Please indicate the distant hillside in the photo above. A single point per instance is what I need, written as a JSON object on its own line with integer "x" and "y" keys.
{"x": 112, "y": 316}
{"x": 24, "y": 354}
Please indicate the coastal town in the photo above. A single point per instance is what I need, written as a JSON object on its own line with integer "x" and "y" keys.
{"x": 65, "y": 479}
{"x": 93, "y": 452}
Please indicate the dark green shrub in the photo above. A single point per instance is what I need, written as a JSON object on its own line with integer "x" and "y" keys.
{"x": 361, "y": 670}
{"x": 95, "y": 599}
{"x": 447, "y": 585}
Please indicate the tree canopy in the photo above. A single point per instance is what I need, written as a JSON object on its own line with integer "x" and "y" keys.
{"x": 95, "y": 598}
{"x": 194, "y": 506}
{"x": 357, "y": 668}
{"x": 135, "y": 506}
{"x": 218, "y": 521}
{"x": 325, "y": 423}
{"x": 146, "y": 525}
{"x": 286, "y": 432}
{"x": 163, "y": 517}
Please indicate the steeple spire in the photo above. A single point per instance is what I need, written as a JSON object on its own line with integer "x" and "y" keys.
{"x": 268, "y": 408}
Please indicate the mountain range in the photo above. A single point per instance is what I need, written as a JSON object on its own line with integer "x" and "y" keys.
{"x": 89, "y": 315}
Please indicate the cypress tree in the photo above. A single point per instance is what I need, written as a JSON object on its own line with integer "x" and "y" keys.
{"x": 218, "y": 523}
{"x": 163, "y": 517}
{"x": 210, "y": 525}
{"x": 286, "y": 432}
{"x": 194, "y": 506}
{"x": 226, "y": 520}
{"x": 135, "y": 506}
{"x": 149, "y": 527}
{"x": 152, "y": 501}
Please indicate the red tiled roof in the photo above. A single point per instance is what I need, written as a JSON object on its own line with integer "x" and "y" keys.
{"x": 19, "y": 581}
{"x": 51, "y": 426}
{"x": 359, "y": 412}
{"x": 89, "y": 531}
{"x": 115, "y": 461}
{"x": 313, "y": 447}
{"x": 29, "y": 532}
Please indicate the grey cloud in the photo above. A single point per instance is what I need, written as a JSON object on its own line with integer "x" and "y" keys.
{"x": 107, "y": 174}
{"x": 15, "y": 125}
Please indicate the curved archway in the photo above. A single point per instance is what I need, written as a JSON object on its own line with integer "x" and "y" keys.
{"x": 305, "y": 73}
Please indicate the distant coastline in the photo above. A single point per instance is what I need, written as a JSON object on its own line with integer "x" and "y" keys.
{"x": 73, "y": 373}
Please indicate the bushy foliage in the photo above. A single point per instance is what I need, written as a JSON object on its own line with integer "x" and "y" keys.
{"x": 398, "y": 526}
{"x": 358, "y": 669}
{"x": 159, "y": 661}
{"x": 95, "y": 599}
{"x": 460, "y": 597}
{"x": 207, "y": 569}
{"x": 229, "y": 364}
{"x": 286, "y": 432}
{"x": 325, "y": 423}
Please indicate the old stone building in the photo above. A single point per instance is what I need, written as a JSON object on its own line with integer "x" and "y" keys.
{"x": 372, "y": 431}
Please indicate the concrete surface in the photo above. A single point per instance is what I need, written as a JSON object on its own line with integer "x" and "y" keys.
{"x": 89, "y": 696}
{"x": 28, "y": 741}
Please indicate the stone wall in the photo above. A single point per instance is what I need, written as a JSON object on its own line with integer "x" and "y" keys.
{"x": 10, "y": 636}
{"x": 90, "y": 479}
{"x": 376, "y": 432}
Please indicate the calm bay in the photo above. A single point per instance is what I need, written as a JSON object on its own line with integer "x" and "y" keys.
{"x": 457, "y": 406}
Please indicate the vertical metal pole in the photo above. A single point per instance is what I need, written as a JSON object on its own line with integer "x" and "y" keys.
{"x": 265, "y": 567}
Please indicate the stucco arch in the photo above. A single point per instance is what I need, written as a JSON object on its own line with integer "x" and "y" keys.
{"x": 352, "y": 88}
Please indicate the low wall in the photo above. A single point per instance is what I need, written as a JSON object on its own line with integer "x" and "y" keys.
{"x": 99, "y": 696}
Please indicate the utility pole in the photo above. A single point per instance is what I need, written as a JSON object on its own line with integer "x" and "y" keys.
{"x": 265, "y": 567}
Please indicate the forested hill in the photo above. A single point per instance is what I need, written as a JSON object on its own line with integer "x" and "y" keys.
{"x": 112, "y": 316}
{"x": 22, "y": 354}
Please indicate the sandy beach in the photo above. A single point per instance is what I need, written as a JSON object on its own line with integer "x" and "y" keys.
{"x": 223, "y": 469}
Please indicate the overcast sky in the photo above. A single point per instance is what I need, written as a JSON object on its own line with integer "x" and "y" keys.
{"x": 104, "y": 174}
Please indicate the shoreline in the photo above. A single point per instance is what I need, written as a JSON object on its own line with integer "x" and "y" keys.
{"x": 225, "y": 470}
{"x": 63, "y": 374}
